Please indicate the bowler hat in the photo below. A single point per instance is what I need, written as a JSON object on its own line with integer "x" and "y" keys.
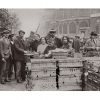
{"x": 93, "y": 34}
{"x": 52, "y": 31}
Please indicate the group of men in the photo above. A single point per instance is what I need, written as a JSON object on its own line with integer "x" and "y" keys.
{"x": 13, "y": 48}
{"x": 12, "y": 56}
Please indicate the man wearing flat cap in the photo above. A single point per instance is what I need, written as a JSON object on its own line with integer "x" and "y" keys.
{"x": 19, "y": 51}
{"x": 5, "y": 53}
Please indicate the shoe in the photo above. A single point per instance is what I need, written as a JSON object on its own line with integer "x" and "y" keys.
{"x": 3, "y": 82}
{"x": 19, "y": 81}
{"x": 23, "y": 80}
{"x": 7, "y": 80}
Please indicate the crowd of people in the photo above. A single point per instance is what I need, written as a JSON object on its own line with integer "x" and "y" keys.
{"x": 13, "y": 48}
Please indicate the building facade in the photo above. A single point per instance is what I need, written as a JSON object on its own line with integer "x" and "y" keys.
{"x": 76, "y": 22}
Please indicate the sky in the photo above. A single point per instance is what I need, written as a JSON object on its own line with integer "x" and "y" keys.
{"x": 29, "y": 18}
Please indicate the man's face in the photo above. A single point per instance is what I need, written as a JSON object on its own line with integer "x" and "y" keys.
{"x": 43, "y": 40}
{"x": 52, "y": 34}
{"x": 37, "y": 37}
{"x": 21, "y": 34}
{"x": 6, "y": 35}
{"x": 92, "y": 37}
{"x": 65, "y": 40}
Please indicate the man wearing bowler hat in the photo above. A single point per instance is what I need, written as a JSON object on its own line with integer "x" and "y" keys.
{"x": 51, "y": 37}
{"x": 91, "y": 44}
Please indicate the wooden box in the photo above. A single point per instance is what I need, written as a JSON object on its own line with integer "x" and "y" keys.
{"x": 38, "y": 64}
{"x": 43, "y": 73}
{"x": 76, "y": 71}
{"x": 45, "y": 84}
{"x": 70, "y": 62}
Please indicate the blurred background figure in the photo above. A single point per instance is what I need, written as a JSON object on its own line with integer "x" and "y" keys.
{"x": 76, "y": 44}
{"x": 41, "y": 48}
{"x": 65, "y": 42}
{"x": 34, "y": 44}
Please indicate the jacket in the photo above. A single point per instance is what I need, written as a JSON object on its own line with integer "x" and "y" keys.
{"x": 5, "y": 48}
{"x": 19, "y": 47}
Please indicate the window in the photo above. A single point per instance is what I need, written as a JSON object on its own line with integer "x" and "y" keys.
{"x": 83, "y": 24}
{"x": 64, "y": 28}
{"x": 72, "y": 27}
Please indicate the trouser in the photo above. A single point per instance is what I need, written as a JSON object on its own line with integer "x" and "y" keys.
{"x": 11, "y": 68}
{"x": 4, "y": 69}
{"x": 20, "y": 70}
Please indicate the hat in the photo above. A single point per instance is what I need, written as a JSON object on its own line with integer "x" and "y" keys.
{"x": 11, "y": 35}
{"x": 5, "y": 32}
{"x": 21, "y": 31}
{"x": 52, "y": 31}
{"x": 93, "y": 34}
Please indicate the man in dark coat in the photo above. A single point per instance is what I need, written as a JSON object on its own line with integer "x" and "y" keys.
{"x": 34, "y": 44}
{"x": 19, "y": 51}
{"x": 51, "y": 37}
{"x": 76, "y": 44}
{"x": 12, "y": 61}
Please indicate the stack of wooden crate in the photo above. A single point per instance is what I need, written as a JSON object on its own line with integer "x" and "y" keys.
{"x": 93, "y": 78}
{"x": 56, "y": 74}
{"x": 44, "y": 74}
{"x": 70, "y": 74}
{"x": 93, "y": 81}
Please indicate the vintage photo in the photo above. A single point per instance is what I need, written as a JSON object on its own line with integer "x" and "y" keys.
{"x": 50, "y": 49}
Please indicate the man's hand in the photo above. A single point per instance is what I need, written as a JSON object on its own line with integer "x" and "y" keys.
{"x": 25, "y": 52}
{"x": 3, "y": 60}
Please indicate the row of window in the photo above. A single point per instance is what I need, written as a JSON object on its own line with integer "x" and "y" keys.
{"x": 63, "y": 28}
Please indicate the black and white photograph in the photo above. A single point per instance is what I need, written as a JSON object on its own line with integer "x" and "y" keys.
{"x": 50, "y": 49}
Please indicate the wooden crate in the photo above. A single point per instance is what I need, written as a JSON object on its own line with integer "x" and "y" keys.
{"x": 44, "y": 84}
{"x": 69, "y": 83}
{"x": 76, "y": 71}
{"x": 70, "y": 62}
{"x": 73, "y": 87}
{"x": 62, "y": 55}
{"x": 43, "y": 73}
{"x": 38, "y": 64}
{"x": 69, "y": 79}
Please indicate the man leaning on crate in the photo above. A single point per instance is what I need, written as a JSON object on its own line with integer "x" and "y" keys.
{"x": 19, "y": 51}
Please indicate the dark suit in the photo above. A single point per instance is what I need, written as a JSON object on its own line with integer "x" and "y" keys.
{"x": 19, "y": 47}
{"x": 58, "y": 42}
{"x": 12, "y": 62}
{"x": 76, "y": 45}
